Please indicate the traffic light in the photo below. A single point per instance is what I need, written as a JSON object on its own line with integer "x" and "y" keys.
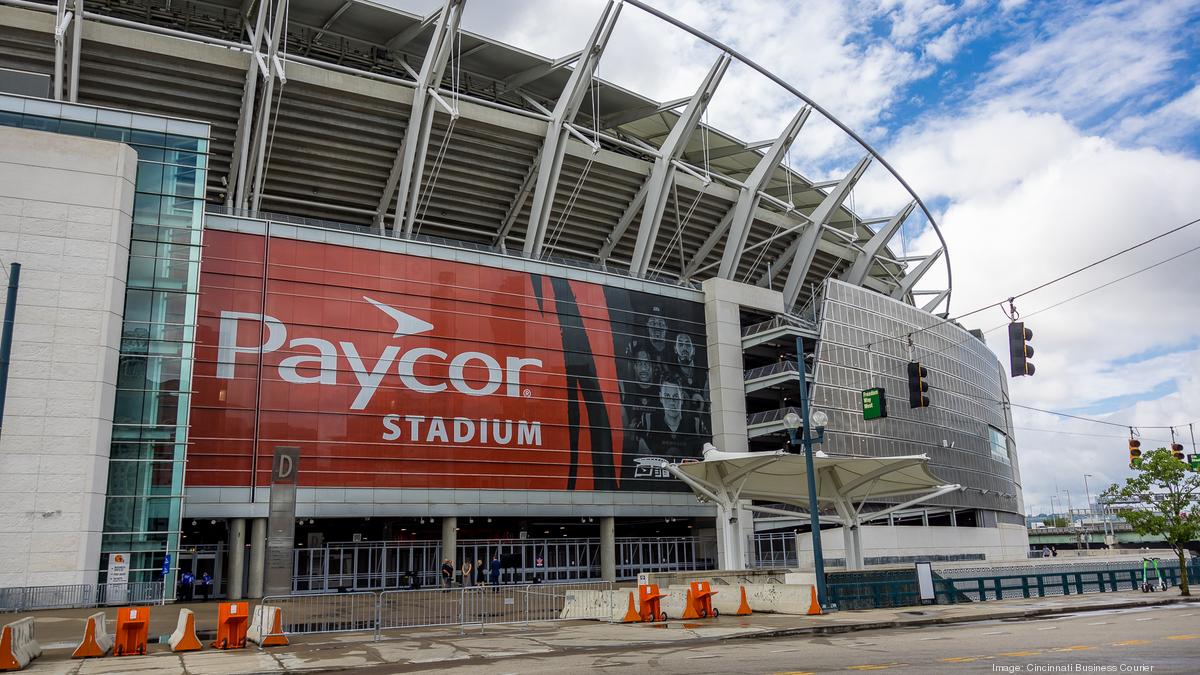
{"x": 1135, "y": 453}
{"x": 1019, "y": 350}
{"x": 1177, "y": 450}
{"x": 917, "y": 386}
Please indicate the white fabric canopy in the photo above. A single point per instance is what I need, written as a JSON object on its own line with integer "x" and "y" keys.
{"x": 730, "y": 479}
{"x": 782, "y": 477}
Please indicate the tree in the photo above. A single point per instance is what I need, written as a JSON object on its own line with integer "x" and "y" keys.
{"x": 1165, "y": 495}
{"x": 1055, "y": 521}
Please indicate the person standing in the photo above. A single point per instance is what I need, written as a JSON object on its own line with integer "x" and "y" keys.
{"x": 447, "y": 574}
{"x": 495, "y": 570}
{"x": 188, "y": 582}
{"x": 206, "y": 585}
{"x": 467, "y": 579}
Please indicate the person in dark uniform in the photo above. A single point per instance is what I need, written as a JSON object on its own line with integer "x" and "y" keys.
{"x": 447, "y": 574}
{"x": 494, "y": 571}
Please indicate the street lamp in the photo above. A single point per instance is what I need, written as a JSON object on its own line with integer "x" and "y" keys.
{"x": 804, "y": 422}
{"x": 1070, "y": 514}
{"x": 1086, "y": 543}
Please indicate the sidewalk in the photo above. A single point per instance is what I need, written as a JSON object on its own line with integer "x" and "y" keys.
{"x": 339, "y": 651}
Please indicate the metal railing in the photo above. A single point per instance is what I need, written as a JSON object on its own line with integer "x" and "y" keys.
{"x": 375, "y": 566}
{"x": 26, "y": 598}
{"x": 902, "y": 591}
{"x": 461, "y": 606}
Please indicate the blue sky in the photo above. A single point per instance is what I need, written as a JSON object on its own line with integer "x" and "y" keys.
{"x": 1044, "y": 135}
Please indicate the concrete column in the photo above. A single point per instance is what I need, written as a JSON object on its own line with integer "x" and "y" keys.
{"x": 608, "y": 548}
{"x": 258, "y": 557}
{"x": 237, "y": 552}
{"x": 450, "y": 541}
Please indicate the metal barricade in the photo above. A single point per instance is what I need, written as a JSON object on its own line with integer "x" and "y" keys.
{"x": 545, "y": 602}
{"x": 327, "y": 612}
{"x": 70, "y": 596}
{"x": 431, "y": 607}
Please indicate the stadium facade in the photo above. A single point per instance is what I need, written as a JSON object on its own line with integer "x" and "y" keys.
{"x": 485, "y": 293}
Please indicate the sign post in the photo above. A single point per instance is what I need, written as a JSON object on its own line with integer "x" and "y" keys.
{"x": 118, "y": 579}
{"x": 281, "y": 522}
{"x": 166, "y": 571}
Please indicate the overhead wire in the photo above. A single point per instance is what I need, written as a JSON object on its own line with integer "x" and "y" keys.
{"x": 966, "y": 340}
{"x": 1041, "y": 286}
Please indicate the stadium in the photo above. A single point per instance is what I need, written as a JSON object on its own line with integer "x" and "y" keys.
{"x": 486, "y": 294}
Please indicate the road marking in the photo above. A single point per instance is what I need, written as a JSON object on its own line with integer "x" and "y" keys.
{"x": 1149, "y": 618}
{"x": 1025, "y": 653}
{"x": 1182, "y": 637}
{"x": 704, "y": 656}
{"x": 929, "y": 638}
{"x": 962, "y": 659}
{"x": 783, "y": 651}
{"x": 1075, "y": 648}
{"x": 1048, "y": 628}
{"x": 796, "y": 672}
{"x": 877, "y": 666}
{"x": 996, "y": 632}
{"x": 1127, "y": 643}
{"x": 1099, "y": 623}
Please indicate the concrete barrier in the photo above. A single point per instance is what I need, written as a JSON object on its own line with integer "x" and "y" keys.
{"x": 96, "y": 639}
{"x": 266, "y": 627}
{"x": 184, "y": 638}
{"x": 612, "y": 605}
{"x": 17, "y": 645}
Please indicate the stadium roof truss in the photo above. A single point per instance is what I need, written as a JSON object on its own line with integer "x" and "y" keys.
{"x": 350, "y": 111}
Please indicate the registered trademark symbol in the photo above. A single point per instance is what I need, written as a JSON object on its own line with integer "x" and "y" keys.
{"x": 527, "y": 393}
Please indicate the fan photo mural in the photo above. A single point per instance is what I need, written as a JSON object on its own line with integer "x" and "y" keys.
{"x": 399, "y": 371}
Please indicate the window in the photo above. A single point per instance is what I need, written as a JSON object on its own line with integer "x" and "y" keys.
{"x": 999, "y": 444}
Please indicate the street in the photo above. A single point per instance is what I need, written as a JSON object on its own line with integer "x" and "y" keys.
{"x": 1159, "y": 640}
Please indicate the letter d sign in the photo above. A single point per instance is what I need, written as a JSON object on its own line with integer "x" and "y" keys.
{"x": 287, "y": 461}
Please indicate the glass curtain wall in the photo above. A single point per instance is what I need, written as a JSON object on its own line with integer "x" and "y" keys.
{"x": 154, "y": 378}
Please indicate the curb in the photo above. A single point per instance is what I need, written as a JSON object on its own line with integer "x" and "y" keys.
{"x": 939, "y": 621}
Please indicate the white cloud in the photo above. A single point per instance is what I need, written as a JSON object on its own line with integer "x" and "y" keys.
{"x": 1100, "y": 57}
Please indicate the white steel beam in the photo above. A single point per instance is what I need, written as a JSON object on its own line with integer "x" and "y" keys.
{"x": 806, "y": 244}
{"x": 398, "y": 41}
{"x": 911, "y": 278}
{"x": 537, "y": 72}
{"x": 731, "y": 150}
{"x": 626, "y": 219}
{"x": 937, "y": 300}
{"x": 264, "y": 113}
{"x": 862, "y": 264}
{"x": 641, "y": 112}
{"x": 550, "y": 157}
{"x": 748, "y": 196}
{"x": 662, "y": 173}
{"x": 404, "y": 180}
{"x": 62, "y": 21}
{"x": 514, "y": 210}
{"x": 76, "y": 55}
{"x": 235, "y": 185}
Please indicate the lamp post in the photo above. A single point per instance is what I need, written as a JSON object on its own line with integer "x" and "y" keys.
{"x": 1070, "y": 515}
{"x": 1086, "y": 543}
{"x": 802, "y": 421}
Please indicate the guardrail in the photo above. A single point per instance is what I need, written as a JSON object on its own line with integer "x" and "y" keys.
{"x": 27, "y": 598}
{"x": 462, "y": 606}
{"x": 903, "y": 592}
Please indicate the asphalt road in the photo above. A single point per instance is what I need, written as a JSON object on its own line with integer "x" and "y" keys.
{"x": 1153, "y": 640}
